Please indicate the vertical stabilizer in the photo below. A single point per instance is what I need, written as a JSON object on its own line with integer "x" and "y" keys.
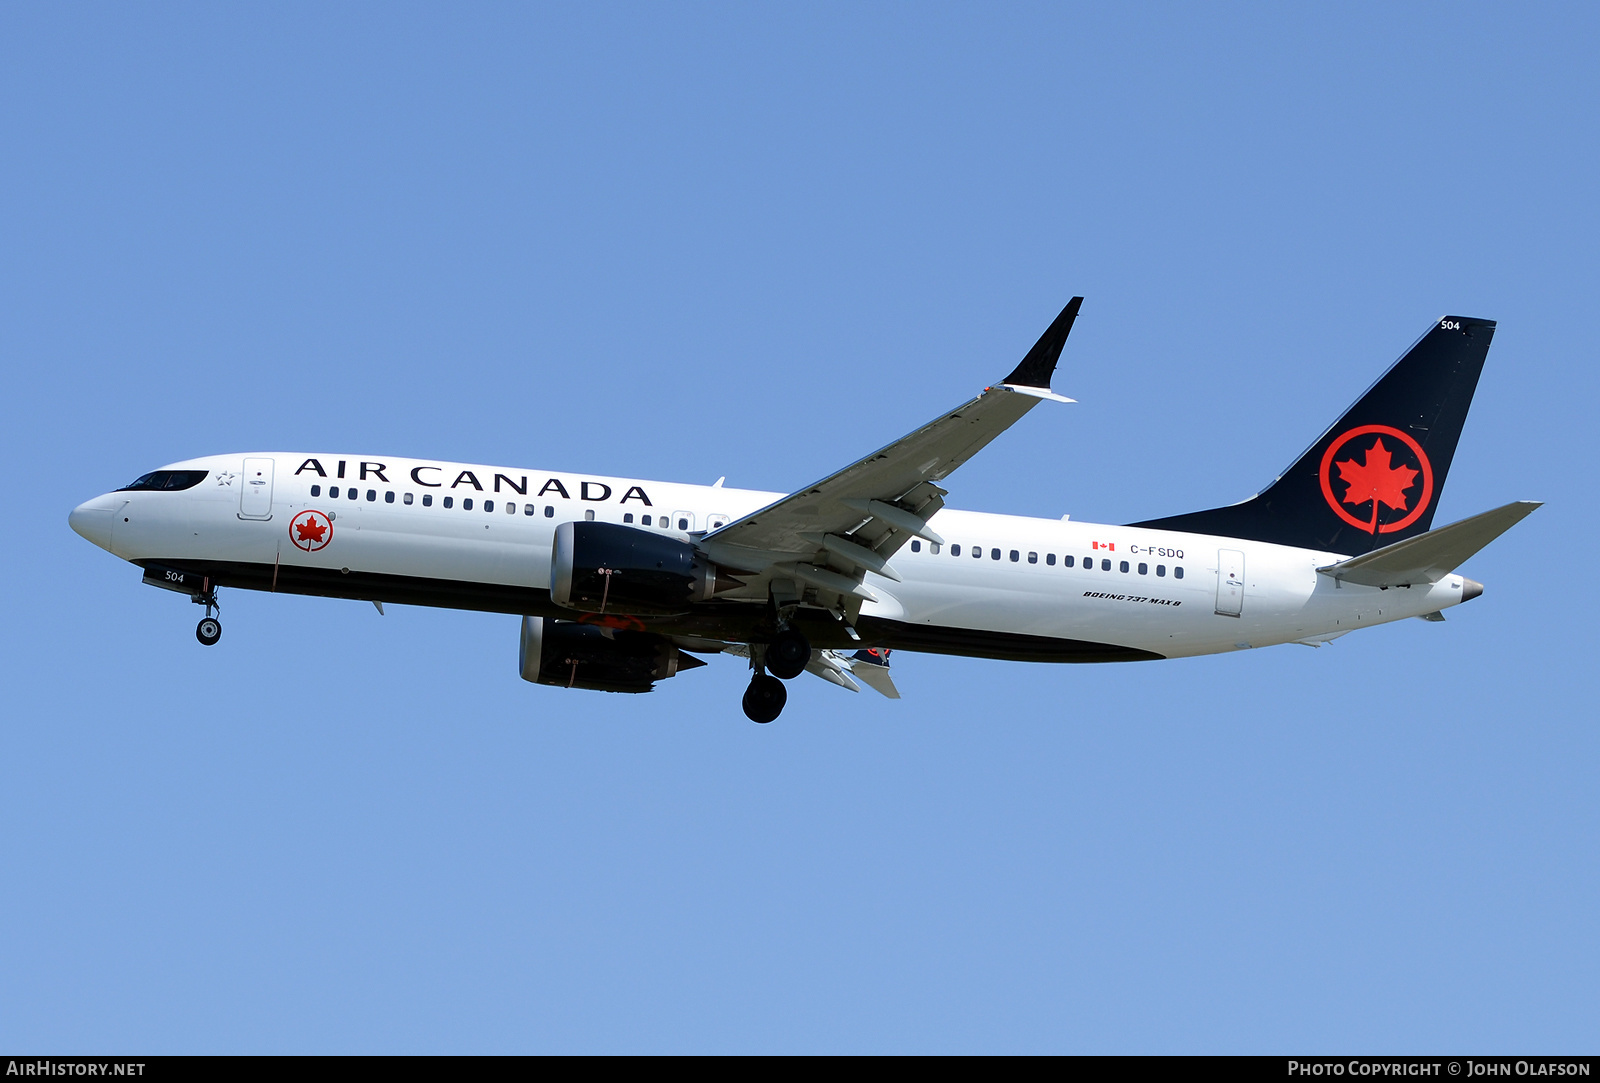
{"x": 1374, "y": 477}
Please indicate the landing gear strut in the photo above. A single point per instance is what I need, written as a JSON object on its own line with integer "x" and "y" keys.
{"x": 764, "y": 699}
{"x": 209, "y": 630}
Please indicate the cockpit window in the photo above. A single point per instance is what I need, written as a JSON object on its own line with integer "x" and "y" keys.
{"x": 166, "y": 479}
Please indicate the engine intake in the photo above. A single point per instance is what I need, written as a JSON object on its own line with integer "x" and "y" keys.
{"x": 571, "y": 655}
{"x": 609, "y": 568}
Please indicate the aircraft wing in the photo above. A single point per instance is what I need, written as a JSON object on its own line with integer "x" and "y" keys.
{"x": 829, "y": 534}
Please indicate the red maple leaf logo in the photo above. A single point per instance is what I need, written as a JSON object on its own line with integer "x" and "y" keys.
{"x": 311, "y": 530}
{"x": 1375, "y": 480}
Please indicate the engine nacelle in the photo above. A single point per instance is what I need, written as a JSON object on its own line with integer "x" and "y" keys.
{"x": 571, "y": 655}
{"x": 609, "y": 568}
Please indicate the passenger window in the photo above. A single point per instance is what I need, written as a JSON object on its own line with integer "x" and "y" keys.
{"x": 1177, "y": 573}
{"x": 1068, "y": 561}
{"x": 1144, "y": 569}
{"x": 994, "y": 554}
{"x": 449, "y": 501}
{"x": 388, "y": 497}
{"x": 511, "y": 509}
{"x": 549, "y": 511}
{"x": 333, "y": 492}
{"x": 588, "y": 515}
{"x": 933, "y": 547}
{"x": 372, "y": 496}
{"x": 406, "y": 499}
{"x": 627, "y": 517}
{"x": 1050, "y": 559}
{"x": 1033, "y": 558}
{"x": 1161, "y": 571}
{"x": 1105, "y": 565}
{"x": 1015, "y": 556}
{"x": 427, "y": 500}
{"x": 352, "y": 492}
{"x": 527, "y": 509}
{"x": 683, "y": 524}
{"x": 316, "y": 490}
{"x": 977, "y": 552}
{"x": 644, "y": 520}
{"x": 1123, "y": 567}
{"x": 916, "y": 547}
{"x": 488, "y": 505}
{"x": 466, "y": 503}
{"x": 955, "y": 550}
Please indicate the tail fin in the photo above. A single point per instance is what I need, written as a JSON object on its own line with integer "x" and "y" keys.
{"x": 1374, "y": 477}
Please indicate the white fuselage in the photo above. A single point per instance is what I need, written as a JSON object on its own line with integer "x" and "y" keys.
{"x": 1168, "y": 594}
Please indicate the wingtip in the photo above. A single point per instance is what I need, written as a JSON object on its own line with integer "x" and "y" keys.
{"x": 1040, "y": 363}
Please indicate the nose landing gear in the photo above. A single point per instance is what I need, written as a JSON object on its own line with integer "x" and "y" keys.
{"x": 209, "y": 630}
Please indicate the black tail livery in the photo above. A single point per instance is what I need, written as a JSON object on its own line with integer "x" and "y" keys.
{"x": 1375, "y": 476}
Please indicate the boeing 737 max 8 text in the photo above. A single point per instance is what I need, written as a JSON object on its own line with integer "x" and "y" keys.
{"x": 622, "y": 582}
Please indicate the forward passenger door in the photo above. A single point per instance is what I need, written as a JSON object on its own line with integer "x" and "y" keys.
{"x": 255, "y": 495}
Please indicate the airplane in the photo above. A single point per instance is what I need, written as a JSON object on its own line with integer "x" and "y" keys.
{"x": 623, "y": 582}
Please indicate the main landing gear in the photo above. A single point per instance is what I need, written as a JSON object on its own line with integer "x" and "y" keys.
{"x": 209, "y": 630}
{"x": 788, "y": 654}
{"x": 786, "y": 657}
{"x": 764, "y": 699}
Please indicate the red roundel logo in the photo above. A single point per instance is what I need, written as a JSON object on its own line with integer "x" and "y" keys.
{"x": 1376, "y": 478}
{"x": 311, "y": 530}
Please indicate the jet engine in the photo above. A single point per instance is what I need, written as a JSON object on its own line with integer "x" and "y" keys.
{"x": 571, "y": 655}
{"x": 609, "y": 568}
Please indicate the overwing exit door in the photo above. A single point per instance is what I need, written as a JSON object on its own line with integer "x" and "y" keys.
{"x": 1230, "y": 582}
{"x": 255, "y": 495}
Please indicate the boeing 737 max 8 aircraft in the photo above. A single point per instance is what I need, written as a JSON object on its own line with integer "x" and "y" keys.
{"x": 621, "y": 582}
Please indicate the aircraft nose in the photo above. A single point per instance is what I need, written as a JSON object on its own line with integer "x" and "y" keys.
{"x": 92, "y": 519}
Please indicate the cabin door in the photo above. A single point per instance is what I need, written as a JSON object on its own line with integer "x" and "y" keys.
{"x": 1230, "y": 582}
{"x": 255, "y": 496}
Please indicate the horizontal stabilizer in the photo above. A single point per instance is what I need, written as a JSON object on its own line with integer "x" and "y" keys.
{"x": 824, "y": 664}
{"x": 1428, "y": 558}
{"x": 871, "y": 668}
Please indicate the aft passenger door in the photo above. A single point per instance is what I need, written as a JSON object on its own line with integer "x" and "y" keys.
{"x": 1230, "y": 582}
{"x": 255, "y": 495}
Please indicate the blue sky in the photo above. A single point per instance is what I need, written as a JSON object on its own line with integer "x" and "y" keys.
{"x": 700, "y": 240}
